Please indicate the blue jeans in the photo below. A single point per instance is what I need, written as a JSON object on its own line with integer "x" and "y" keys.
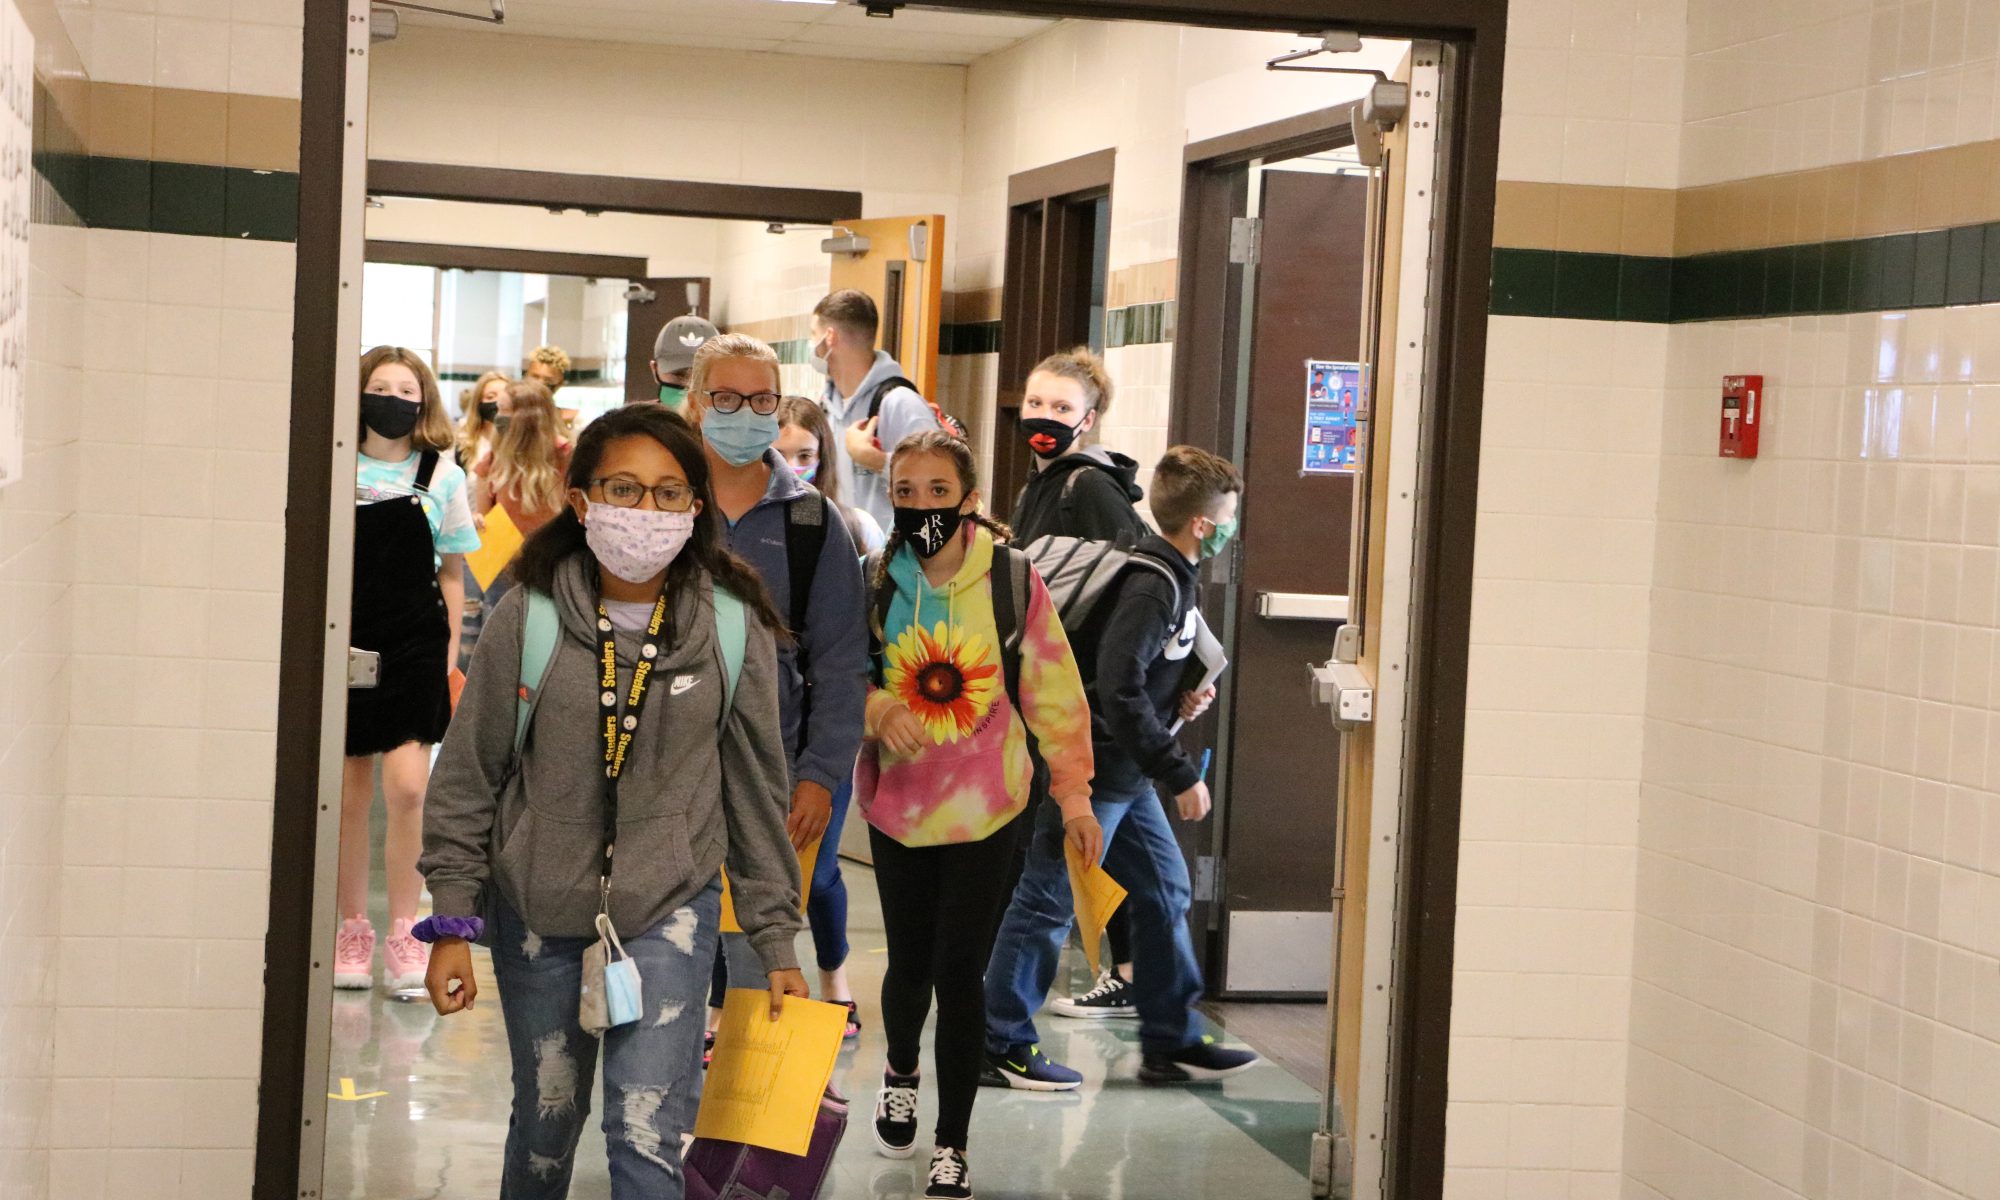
{"x": 650, "y": 1066}
{"x": 1141, "y": 854}
{"x": 826, "y": 900}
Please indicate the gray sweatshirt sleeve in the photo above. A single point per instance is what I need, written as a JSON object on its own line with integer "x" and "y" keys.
{"x": 756, "y": 797}
{"x": 903, "y": 413}
{"x": 835, "y": 641}
{"x": 472, "y": 763}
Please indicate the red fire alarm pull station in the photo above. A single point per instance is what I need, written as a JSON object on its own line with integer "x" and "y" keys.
{"x": 1742, "y": 415}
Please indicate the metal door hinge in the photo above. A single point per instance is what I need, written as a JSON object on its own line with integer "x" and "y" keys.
{"x": 1246, "y": 240}
{"x": 1207, "y": 878}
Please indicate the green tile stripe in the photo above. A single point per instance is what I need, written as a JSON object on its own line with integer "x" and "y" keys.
{"x": 171, "y": 197}
{"x": 970, "y": 337}
{"x": 1934, "y": 269}
{"x": 1139, "y": 325}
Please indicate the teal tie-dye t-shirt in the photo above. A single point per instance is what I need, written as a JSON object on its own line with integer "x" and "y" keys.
{"x": 452, "y": 528}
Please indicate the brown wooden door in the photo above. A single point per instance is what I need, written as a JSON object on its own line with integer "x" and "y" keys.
{"x": 672, "y": 297}
{"x": 1281, "y": 811}
{"x": 903, "y": 272}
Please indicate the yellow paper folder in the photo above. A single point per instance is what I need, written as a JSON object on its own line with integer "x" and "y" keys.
{"x": 1097, "y": 896}
{"x": 807, "y": 857}
{"x": 765, "y": 1084}
{"x": 499, "y": 542}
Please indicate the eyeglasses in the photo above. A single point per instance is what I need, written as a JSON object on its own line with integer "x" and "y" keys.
{"x": 761, "y": 403}
{"x": 672, "y": 496}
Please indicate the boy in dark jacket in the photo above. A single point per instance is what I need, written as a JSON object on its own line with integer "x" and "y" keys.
{"x": 1134, "y": 658}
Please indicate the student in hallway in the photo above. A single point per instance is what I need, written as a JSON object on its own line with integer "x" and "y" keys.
{"x": 412, "y": 529}
{"x": 518, "y": 846}
{"x": 480, "y": 406}
{"x": 1079, "y": 489}
{"x": 806, "y": 443}
{"x": 548, "y": 366}
{"x": 867, "y": 398}
{"x": 674, "y": 349}
{"x": 970, "y": 661}
{"x": 799, "y": 545}
{"x": 1136, "y": 656}
{"x": 523, "y": 473}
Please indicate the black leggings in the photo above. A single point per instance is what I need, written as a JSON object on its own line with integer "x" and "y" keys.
{"x": 941, "y": 906}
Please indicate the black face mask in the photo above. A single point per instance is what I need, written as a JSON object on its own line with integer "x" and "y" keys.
{"x": 1048, "y": 438}
{"x": 502, "y": 424}
{"x": 929, "y": 530}
{"x": 391, "y": 416}
{"x": 489, "y": 409}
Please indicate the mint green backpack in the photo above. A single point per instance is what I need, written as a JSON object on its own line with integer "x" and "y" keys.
{"x": 543, "y": 628}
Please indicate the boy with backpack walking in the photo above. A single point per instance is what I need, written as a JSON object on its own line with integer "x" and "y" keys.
{"x": 1133, "y": 645}
{"x": 867, "y": 398}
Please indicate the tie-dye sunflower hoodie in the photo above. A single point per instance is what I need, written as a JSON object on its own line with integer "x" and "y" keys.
{"x": 941, "y": 657}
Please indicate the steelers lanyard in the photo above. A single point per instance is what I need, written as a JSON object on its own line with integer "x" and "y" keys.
{"x": 618, "y": 729}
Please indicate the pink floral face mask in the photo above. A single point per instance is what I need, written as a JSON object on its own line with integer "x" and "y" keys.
{"x": 635, "y": 544}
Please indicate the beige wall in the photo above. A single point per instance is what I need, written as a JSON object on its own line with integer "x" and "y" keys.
{"x": 670, "y": 245}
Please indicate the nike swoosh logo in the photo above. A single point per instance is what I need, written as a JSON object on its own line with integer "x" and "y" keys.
{"x": 682, "y": 684}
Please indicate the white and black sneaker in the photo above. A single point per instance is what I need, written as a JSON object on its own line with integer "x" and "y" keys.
{"x": 1112, "y": 997}
{"x": 896, "y": 1115}
{"x": 950, "y": 1177}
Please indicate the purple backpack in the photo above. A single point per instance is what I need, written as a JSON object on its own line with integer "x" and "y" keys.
{"x": 734, "y": 1171}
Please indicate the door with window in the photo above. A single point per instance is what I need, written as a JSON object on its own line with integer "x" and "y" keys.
{"x": 902, "y": 270}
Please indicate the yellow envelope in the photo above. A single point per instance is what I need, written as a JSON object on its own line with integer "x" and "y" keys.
{"x": 1097, "y": 896}
{"x": 499, "y": 542}
{"x": 807, "y": 857}
{"x": 765, "y": 1084}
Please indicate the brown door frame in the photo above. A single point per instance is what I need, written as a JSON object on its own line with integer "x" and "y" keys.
{"x": 1047, "y": 243}
{"x": 610, "y": 193}
{"x": 503, "y": 258}
{"x": 1474, "y": 33}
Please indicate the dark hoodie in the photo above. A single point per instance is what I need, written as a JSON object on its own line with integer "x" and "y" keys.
{"x": 1099, "y": 506}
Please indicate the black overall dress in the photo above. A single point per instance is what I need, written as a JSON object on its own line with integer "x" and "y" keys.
{"x": 398, "y": 612}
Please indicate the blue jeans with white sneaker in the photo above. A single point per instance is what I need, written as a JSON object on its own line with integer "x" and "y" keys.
{"x": 1141, "y": 854}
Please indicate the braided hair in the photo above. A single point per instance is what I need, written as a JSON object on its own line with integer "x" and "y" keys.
{"x": 930, "y": 441}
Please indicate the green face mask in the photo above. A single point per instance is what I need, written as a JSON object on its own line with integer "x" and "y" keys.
{"x": 674, "y": 397}
{"x": 1218, "y": 537}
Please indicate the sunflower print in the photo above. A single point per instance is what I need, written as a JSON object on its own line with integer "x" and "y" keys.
{"x": 947, "y": 677}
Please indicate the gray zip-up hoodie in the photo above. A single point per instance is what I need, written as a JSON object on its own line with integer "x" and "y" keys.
{"x": 689, "y": 799}
{"x": 903, "y": 413}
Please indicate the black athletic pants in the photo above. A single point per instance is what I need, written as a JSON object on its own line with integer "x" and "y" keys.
{"x": 941, "y": 906}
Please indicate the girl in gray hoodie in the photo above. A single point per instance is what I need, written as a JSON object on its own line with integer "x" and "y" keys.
{"x": 678, "y": 766}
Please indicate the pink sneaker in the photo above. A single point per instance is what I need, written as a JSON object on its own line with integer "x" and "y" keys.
{"x": 409, "y": 959}
{"x": 354, "y": 954}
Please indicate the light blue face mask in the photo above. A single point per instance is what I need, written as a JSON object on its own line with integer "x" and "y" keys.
{"x": 740, "y": 437}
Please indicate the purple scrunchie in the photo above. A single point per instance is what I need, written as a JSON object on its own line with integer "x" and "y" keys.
{"x": 430, "y": 929}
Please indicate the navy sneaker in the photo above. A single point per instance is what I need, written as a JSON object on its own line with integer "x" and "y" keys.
{"x": 896, "y": 1116}
{"x": 1112, "y": 997}
{"x": 1191, "y": 1064}
{"x": 1027, "y": 1068}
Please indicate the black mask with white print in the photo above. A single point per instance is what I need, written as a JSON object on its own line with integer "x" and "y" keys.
{"x": 929, "y": 530}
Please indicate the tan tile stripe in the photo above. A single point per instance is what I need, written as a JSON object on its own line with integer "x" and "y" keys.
{"x": 777, "y": 329}
{"x": 218, "y": 129}
{"x": 1146, "y": 283}
{"x": 1931, "y": 189}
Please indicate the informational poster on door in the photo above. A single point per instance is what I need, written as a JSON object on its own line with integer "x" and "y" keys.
{"x": 1336, "y": 392}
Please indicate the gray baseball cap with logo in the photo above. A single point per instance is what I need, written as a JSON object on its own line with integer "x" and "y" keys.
{"x": 679, "y": 339}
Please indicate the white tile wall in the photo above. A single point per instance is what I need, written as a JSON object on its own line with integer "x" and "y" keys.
{"x": 1816, "y": 997}
{"x": 38, "y": 529}
{"x": 1593, "y": 92}
{"x": 250, "y": 46}
{"x": 1555, "y": 707}
{"x": 173, "y": 647}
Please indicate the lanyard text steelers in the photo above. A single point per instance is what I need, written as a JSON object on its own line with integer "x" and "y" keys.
{"x": 618, "y": 730}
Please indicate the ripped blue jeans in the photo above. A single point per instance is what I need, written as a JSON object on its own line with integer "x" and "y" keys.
{"x": 651, "y": 1067}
